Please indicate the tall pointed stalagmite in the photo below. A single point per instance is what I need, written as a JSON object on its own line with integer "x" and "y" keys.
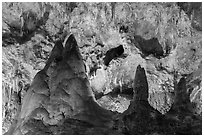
{"x": 56, "y": 53}
{"x": 140, "y": 86}
{"x": 72, "y": 56}
{"x": 180, "y": 119}
{"x": 140, "y": 114}
{"x": 58, "y": 93}
{"x": 92, "y": 113}
{"x": 182, "y": 105}
{"x": 182, "y": 98}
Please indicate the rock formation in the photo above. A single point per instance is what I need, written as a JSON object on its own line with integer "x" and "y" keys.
{"x": 181, "y": 113}
{"x": 58, "y": 92}
{"x": 60, "y": 98}
{"x": 140, "y": 115}
{"x": 126, "y": 68}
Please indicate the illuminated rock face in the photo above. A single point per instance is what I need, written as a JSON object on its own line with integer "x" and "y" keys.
{"x": 165, "y": 39}
{"x": 60, "y": 91}
{"x": 60, "y": 101}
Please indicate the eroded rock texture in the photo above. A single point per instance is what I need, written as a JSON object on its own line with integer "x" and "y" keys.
{"x": 58, "y": 92}
{"x": 140, "y": 117}
{"x": 137, "y": 65}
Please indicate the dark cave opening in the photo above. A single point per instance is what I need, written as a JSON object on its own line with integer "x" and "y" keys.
{"x": 113, "y": 53}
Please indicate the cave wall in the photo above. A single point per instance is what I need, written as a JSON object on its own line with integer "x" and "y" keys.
{"x": 164, "y": 38}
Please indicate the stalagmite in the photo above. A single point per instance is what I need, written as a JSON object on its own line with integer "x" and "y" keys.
{"x": 59, "y": 92}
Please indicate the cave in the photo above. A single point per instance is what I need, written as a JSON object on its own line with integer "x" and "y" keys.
{"x": 101, "y": 68}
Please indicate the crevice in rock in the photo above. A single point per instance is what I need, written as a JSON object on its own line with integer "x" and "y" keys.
{"x": 113, "y": 53}
{"x": 123, "y": 29}
{"x": 98, "y": 95}
{"x": 93, "y": 70}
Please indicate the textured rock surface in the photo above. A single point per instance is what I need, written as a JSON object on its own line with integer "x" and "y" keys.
{"x": 61, "y": 90}
{"x": 140, "y": 115}
{"x": 165, "y": 39}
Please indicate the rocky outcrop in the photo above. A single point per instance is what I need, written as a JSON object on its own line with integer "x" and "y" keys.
{"x": 165, "y": 39}
{"x": 60, "y": 101}
{"x": 140, "y": 117}
{"x": 60, "y": 91}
